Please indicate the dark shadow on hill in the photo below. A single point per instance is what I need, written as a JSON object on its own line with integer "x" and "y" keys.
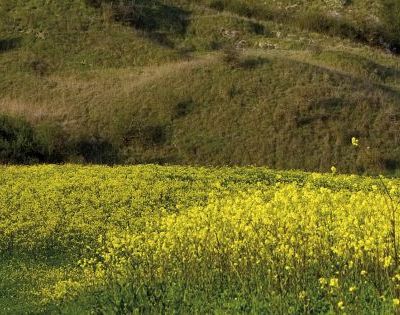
{"x": 155, "y": 19}
{"x": 7, "y": 44}
{"x": 380, "y": 71}
{"x": 250, "y": 62}
{"x": 95, "y": 150}
{"x": 369, "y": 68}
{"x": 357, "y": 82}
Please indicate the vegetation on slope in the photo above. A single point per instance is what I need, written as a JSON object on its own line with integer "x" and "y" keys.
{"x": 212, "y": 82}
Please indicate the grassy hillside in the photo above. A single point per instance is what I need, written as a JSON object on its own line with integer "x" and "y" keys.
{"x": 216, "y": 82}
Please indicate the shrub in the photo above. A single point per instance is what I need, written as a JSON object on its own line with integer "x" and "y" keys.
{"x": 257, "y": 28}
{"x": 391, "y": 19}
{"x": 52, "y": 142}
{"x": 94, "y": 3}
{"x": 317, "y": 22}
{"x": 95, "y": 150}
{"x": 9, "y": 44}
{"x": 17, "y": 143}
{"x": 22, "y": 143}
{"x": 218, "y": 5}
{"x": 183, "y": 108}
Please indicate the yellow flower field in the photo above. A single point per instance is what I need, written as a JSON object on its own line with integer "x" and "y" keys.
{"x": 151, "y": 239}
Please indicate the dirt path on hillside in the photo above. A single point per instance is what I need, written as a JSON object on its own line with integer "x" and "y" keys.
{"x": 92, "y": 87}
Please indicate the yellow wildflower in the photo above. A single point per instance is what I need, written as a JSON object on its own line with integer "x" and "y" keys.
{"x": 354, "y": 141}
{"x": 387, "y": 262}
{"x": 302, "y": 295}
{"x": 323, "y": 281}
{"x": 334, "y": 282}
{"x": 352, "y": 289}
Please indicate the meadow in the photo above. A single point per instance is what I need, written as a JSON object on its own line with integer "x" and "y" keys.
{"x": 151, "y": 239}
{"x": 126, "y": 133}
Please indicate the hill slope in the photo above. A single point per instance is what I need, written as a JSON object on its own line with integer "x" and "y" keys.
{"x": 203, "y": 82}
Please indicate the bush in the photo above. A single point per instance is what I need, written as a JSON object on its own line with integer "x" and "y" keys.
{"x": 95, "y": 150}
{"x": 391, "y": 19}
{"x": 21, "y": 143}
{"x": 218, "y": 5}
{"x": 318, "y": 22}
{"x": 17, "y": 141}
{"x": 53, "y": 142}
{"x": 9, "y": 44}
{"x": 183, "y": 108}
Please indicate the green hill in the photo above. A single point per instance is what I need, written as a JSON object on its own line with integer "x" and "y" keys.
{"x": 215, "y": 82}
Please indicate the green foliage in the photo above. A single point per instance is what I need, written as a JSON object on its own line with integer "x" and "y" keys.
{"x": 53, "y": 141}
{"x": 93, "y": 150}
{"x": 17, "y": 143}
{"x": 250, "y": 9}
{"x": 21, "y": 143}
{"x": 391, "y": 18}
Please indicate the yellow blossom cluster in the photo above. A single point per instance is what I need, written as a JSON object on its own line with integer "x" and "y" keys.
{"x": 285, "y": 228}
{"x": 253, "y": 227}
